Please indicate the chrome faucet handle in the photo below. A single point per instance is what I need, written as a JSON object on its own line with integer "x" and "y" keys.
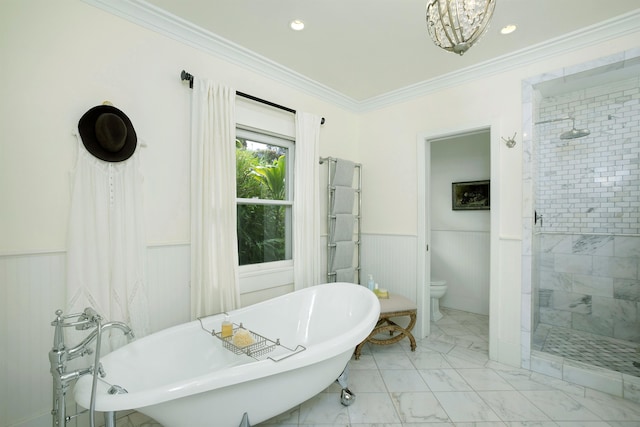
{"x": 101, "y": 371}
{"x": 87, "y": 319}
{"x": 58, "y": 337}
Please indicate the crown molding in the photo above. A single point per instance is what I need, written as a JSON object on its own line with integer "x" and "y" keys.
{"x": 158, "y": 20}
{"x": 146, "y": 15}
{"x": 585, "y": 37}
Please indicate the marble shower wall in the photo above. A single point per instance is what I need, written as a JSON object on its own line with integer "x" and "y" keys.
{"x": 590, "y": 283}
{"x": 587, "y": 246}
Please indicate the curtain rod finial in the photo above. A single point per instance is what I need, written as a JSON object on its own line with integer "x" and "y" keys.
{"x": 186, "y": 76}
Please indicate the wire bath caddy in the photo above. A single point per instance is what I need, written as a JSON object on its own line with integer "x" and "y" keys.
{"x": 260, "y": 346}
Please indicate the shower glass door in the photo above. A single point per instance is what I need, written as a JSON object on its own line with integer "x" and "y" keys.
{"x": 586, "y": 239}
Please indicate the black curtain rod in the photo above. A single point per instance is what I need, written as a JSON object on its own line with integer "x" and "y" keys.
{"x": 186, "y": 76}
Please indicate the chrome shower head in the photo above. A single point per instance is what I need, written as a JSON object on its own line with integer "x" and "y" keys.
{"x": 574, "y": 133}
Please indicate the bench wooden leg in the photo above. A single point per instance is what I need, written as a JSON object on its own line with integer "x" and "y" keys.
{"x": 386, "y": 325}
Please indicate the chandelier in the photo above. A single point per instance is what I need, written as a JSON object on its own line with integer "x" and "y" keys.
{"x": 455, "y": 25}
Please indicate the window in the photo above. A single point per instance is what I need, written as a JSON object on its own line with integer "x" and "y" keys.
{"x": 264, "y": 186}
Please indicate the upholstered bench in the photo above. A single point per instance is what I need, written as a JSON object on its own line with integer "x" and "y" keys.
{"x": 392, "y": 307}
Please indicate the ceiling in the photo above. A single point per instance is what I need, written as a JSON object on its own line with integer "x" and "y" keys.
{"x": 363, "y": 49}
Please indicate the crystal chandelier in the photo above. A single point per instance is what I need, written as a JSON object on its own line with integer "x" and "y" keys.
{"x": 455, "y": 25}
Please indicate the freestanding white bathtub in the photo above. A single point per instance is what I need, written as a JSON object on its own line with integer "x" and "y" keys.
{"x": 184, "y": 376}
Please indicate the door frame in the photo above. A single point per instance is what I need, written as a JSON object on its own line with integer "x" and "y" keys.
{"x": 423, "y": 273}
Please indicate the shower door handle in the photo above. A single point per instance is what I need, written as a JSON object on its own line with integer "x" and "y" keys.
{"x": 537, "y": 217}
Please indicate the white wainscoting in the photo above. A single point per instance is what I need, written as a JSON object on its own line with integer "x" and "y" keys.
{"x": 391, "y": 259}
{"x": 462, "y": 259}
{"x": 32, "y": 289}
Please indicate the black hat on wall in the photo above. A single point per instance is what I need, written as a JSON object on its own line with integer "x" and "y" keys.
{"x": 107, "y": 133}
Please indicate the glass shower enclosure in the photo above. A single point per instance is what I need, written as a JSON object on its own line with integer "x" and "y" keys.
{"x": 585, "y": 236}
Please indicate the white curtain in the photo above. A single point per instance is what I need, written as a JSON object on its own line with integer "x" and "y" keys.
{"x": 214, "y": 247}
{"x": 106, "y": 246}
{"x": 306, "y": 204}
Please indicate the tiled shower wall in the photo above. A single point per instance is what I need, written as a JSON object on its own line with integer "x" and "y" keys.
{"x": 591, "y": 184}
{"x": 588, "y": 194}
{"x": 590, "y": 283}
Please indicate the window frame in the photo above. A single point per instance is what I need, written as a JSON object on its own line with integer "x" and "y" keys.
{"x": 265, "y": 275}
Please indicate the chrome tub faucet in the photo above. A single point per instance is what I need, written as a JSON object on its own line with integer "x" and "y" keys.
{"x": 60, "y": 355}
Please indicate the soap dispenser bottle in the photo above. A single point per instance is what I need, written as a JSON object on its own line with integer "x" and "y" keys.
{"x": 370, "y": 283}
{"x": 227, "y": 327}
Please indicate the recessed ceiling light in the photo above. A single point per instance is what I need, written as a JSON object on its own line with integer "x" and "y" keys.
{"x": 508, "y": 29}
{"x": 297, "y": 25}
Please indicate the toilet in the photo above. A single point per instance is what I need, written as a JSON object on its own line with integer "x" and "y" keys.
{"x": 438, "y": 289}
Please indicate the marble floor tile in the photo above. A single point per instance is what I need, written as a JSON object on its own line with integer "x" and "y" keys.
{"x": 444, "y": 380}
{"x": 512, "y": 406}
{"x": 589, "y": 424}
{"x": 428, "y": 360}
{"x": 373, "y": 408}
{"x": 530, "y": 424}
{"x": 323, "y": 408}
{"x": 439, "y": 345}
{"x": 559, "y": 406}
{"x": 393, "y": 361}
{"x": 366, "y": 361}
{"x": 455, "y": 330}
{"x": 484, "y": 379}
{"x": 458, "y": 361}
{"x": 403, "y": 380}
{"x": 481, "y": 424}
{"x": 367, "y": 380}
{"x": 521, "y": 380}
{"x": 419, "y": 407}
{"x": 468, "y": 358}
{"x": 375, "y": 425}
{"x": 610, "y": 407}
{"x": 465, "y": 406}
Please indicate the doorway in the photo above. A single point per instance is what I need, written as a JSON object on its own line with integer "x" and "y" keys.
{"x": 444, "y": 158}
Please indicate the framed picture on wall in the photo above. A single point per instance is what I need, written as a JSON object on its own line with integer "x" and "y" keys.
{"x": 470, "y": 195}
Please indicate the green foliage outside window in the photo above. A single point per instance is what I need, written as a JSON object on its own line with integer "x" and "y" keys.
{"x": 260, "y": 174}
